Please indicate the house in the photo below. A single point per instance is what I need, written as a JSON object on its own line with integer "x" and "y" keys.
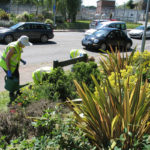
{"x": 105, "y": 7}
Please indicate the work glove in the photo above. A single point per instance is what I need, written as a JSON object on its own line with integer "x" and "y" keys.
{"x": 23, "y": 61}
{"x": 9, "y": 74}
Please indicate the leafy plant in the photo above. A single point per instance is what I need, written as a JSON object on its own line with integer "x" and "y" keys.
{"x": 112, "y": 110}
{"x": 82, "y": 73}
{"x": 60, "y": 132}
{"x": 3, "y": 15}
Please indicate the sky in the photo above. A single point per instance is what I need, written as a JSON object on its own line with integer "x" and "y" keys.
{"x": 94, "y": 2}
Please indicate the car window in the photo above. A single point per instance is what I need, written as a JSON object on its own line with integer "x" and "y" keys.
{"x": 111, "y": 25}
{"x": 117, "y": 26}
{"x": 21, "y": 28}
{"x": 48, "y": 27}
{"x": 123, "y": 27}
{"x": 24, "y": 27}
{"x": 16, "y": 26}
{"x": 101, "y": 33}
{"x": 40, "y": 26}
{"x": 111, "y": 35}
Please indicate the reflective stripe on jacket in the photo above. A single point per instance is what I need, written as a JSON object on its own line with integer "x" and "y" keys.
{"x": 76, "y": 53}
{"x": 14, "y": 60}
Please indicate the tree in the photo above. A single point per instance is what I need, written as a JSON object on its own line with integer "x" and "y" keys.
{"x": 73, "y": 7}
{"x": 4, "y": 1}
{"x": 130, "y": 4}
{"x": 60, "y": 7}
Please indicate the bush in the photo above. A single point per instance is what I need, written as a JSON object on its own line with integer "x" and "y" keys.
{"x": 4, "y": 15}
{"x": 60, "y": 19}
{"x": 61, "y": 84}
{"x": 82, "y": 73}
{"x": 24, "y": 17}
{"x": 49, "y": 21}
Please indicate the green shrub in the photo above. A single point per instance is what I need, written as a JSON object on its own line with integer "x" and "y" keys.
{"x": 49, "y": 21}
{"x": 40, "y": 18}
{"x": 4, "y": 15}
{"x": 60, "y": 19}
{"x": 77, "y": 25}
{"x": 61, "y": 84}
{"x": 116, "y": 106}
{"x": 82, "y": 73}
{"x": 24, "y": 17}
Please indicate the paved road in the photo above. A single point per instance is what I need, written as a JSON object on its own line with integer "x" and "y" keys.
{"x": 56, "y": 49}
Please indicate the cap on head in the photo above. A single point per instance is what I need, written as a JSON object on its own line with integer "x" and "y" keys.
{"x": 24, "y": 40}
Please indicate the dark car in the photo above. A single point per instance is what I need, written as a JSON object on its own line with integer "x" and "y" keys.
{"x": 34, "y": 30}
{"x": 103, "y": 38}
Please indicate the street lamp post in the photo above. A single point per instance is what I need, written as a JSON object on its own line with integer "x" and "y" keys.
{"x": 54, "y": 11}
{"x": 145, "y": 28}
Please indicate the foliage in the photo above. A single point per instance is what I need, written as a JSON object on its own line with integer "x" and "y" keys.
{"x": 82, "y": 73}
{"x": 130, "y": 4}
{"x": 118, "y": 143}
{"x": 77, "y": 25}
{"x": 61, "y": 9}
{"x": 3, "y": 142}
{"x": 60, "y": 133}
{"x": 3, "y": 15}
{"x": 15, "y": 122}
{"x": 24, "y": 17}
{"x": 72, "y": 9}
{"x": 61, "y": 84}
{"x": 4, "y": 99}
{"x": 110, "y": 111}
{"x": 49, "y": 21}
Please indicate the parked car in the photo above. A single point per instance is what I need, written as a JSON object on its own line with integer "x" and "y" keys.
{"x": 111, "y": 24}
{"x": 94, "y": 23}
{"x": 138, "y": 32}
{"x": 34, "y": 30}
{"x": 103, "y": 38}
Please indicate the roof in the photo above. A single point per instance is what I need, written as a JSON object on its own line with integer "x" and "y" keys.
{"x": 32, "y": 22}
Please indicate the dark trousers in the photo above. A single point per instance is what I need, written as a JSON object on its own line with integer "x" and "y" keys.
{"x": 15, "y": 74}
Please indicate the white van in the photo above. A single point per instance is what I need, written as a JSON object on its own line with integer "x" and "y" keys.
{"x": 111, "y": 24}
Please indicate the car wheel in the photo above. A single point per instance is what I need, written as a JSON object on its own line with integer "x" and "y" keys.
{"x": 44, "y": 38}
{"x": 8, "y": 39}
{"x": 128, "y": 45}
{"x": 103, "y": 46}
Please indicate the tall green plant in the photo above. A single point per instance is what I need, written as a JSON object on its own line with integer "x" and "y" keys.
{"x": 110, "y": 111}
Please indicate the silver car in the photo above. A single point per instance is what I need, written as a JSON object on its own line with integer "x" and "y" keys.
{"x": 138, "y": 32}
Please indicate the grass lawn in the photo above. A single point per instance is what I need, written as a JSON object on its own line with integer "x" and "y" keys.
{"x": 132, "y": 25}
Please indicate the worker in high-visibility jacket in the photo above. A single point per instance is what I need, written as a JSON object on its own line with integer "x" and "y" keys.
{"x": 38, "y": 74}
{"x": 11, "y": 58}
{"x": 74, "y": 53}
